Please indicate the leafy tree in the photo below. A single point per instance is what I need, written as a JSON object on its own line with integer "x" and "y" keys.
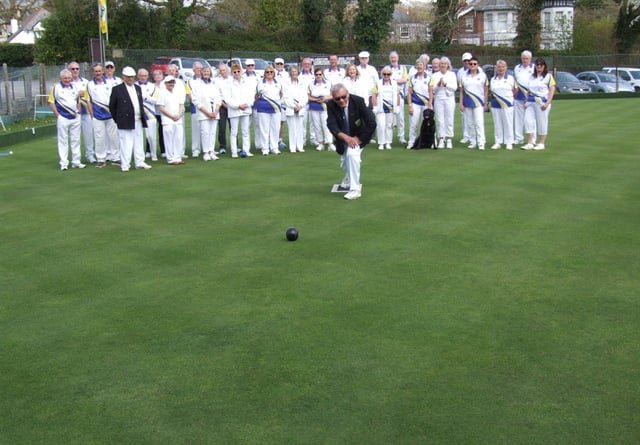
{"x": 627, "y": 25}
{"x": 279, "y": 20}
{"x": 444, "y": 25}
{"x": 371, "y": 25}
{"x": 312, "y": 15}
{"x": 529, "y": 28}
{"x": 338, "y": 9}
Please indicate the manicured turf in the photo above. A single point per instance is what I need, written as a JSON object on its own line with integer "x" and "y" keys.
{"x": 467, "y": 298}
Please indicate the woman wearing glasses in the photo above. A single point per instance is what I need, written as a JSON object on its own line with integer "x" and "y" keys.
{"x": 385, "y": 101}
{"x": 474, "y": 94}
{"x": 319, "y": 92}
{"x": 269, "y": 107}
{"x": 295, "y": 102}
{"x": 542, "y": 87}
{"x": 503, "y": 91}
{"x": 239, "y": 98}
{"x": 354, "y": 84}
{"x": 442, "y": 100}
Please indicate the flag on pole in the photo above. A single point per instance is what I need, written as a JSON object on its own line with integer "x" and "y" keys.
{"x": 102, "y": 12}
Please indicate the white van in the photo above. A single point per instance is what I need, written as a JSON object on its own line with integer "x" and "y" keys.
{"x": 631, "y": 75}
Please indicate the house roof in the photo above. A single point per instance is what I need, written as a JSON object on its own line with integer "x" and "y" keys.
{"x": 495, "y": 5}
{"x": 32, "y": 20}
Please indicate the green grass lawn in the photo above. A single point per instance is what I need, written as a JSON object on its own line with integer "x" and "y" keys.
{"x": 467, "y": 298}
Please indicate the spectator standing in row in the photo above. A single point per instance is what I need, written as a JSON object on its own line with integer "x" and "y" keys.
{"x": 182, "y": 90}
{"x": 86, "y": 126}
{"x": 171, "y": 105}
{"x": 269, "y": 106}
{"x": 442, "y": 90}
{"x": 418, "y": 99}
{"x": 207, "y": 100}
{"x": 239, "y": 97}
{"x": 474, "y": 94}
{"x": 542, "y": 88}
{"x": 502, "y": 88}
{"x": 223, "y": 79}
{"x": 319, "y": 93}
{"x": 252, "y": 84}
{"x": 64, "y": 102}
{"x": 464, "y": 69}
{"x": 368, "y": 75}
{"x": 522, "y": 73}
{"x": 295, "y": 102}
{"x": 158, "y": 83}
{"x": 282, "y": 77}
{"x": 385, "y": 101}
{"x": 401, "y": 77}
{"x": 306, "y": 77}
{"x": 128, "y": 113}
{"x": 105, "y": 132}
{"x": 196, "y": 138}
{"x": 334, "y": 74}
{"x": 149, "y": 98}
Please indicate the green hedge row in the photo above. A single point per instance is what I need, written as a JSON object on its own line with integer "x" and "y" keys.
{"x": 16, "y": 54}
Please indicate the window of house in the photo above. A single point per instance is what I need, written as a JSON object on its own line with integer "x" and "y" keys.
{"x": 404, "y": 32}
{"x": 502, "y": 22}
{"x": 546, "y": 20}
{"x": 488, "y": 22}
{"x": 468, "y": 24}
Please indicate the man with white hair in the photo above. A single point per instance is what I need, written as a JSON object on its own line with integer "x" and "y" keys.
{"x": 282, "y": 77}
{"x": 86, "y": 126}
{"x": 196, "y": 140}
{"x": 128, "y": 114}
{"x": 522, "y": 73}
{"x": 462, "y": 71}
{"x": 105, "y": 132}
{"x": 64, "y": 102}
{"x": 149, "y": 98}
{"x": 400, "y": 75}
{"x": 180, "y": 90}
{"x": 368, "y": 74}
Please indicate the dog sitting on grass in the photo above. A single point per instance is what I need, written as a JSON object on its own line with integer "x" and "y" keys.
{"x": 427, "y": 137}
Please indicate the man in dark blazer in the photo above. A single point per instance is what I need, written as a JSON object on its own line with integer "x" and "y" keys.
{"x": 127, "y": 111}
{"x": 352, "y": 124}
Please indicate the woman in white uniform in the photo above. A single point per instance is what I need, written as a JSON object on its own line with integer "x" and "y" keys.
{"x": 295, "y": 102}
{"x": 268, "y": 104}
{"x": 503, "y": 89}
{"x": 542, "y": 87}
{"x": 474, "y": 94}
{"x": 319, "y": 92}
{"x": 418, "y": 99}
{"x": 239, "y": 97}
{"x": 354, "y": 84}
{"x": 207, "y": 99}
{"x": 385, "y": 101}
{"x": 442, "y": 97}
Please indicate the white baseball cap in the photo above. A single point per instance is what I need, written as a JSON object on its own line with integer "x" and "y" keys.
{"x": 363, "y": 54}
{"x": 466, "y": 56}
{"x": 109, "y": 63}
{"x": 128, "y": 71}
{"x": 279, "y": 60}
{"x": 169, "y": 78}
{"x": 249, "y": 62}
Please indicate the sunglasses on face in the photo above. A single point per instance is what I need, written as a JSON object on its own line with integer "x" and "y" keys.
{"x": 268, "y": 72}
{"x": 386, "y": 74}
{"x": 74, "y": 69}
{"x": 318, "y": 74}
{"x": 279, "y": 63}
{"x": 473, "y": 63}
{"x": 236, "y": 71}
{"x": 340, "y": 98}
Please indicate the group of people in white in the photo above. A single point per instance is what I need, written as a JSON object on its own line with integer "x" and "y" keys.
{"x": 239, "y": 98}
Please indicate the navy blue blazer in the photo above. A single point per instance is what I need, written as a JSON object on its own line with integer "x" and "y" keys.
{"x": 362, "y": 122}
{"x": 121, "y": 107}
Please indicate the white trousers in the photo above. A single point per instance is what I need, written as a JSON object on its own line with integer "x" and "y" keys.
{"x": 196, "y": 133}
{"x": 520, "y": 121}
{"x": 151, "y": 134}
{"x": 537, "y": 118}
{"x": 295, "y": 124}
{"x": 319, "y": 124}
{"x": 131, "y": 143}
{"x": 242, "y": 122}
{"x": 384, "y": 129}
{"x": 173, "y": 135}
{"x": 415, "y": 121}
{"x": 257, "y": 135}
{"x": 400, "y": 122}
{"x": 444, "y": 109}
{"x": 474, "y": 118}
{"x": 503, "y": 125}
{"x": 87, "y": 136}
{"x": 208, "y": 135}
{"x": 350, "y": 162}
{"x": 104, "y": 132}
{"x": 269, "y": 124}
{"x": 68, "y": 138}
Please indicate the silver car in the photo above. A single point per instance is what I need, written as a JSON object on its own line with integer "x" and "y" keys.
{"x": 568, "y": 83}
{"x": 604, "y": 82}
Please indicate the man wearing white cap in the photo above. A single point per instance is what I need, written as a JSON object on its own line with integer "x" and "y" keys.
{"x": 282, "y": 76}
{"x": 110, "y": 74}
{"x": 368, "y": 74}
{"x": 252, "y": 83}
{"x": 466, "y": 133}
{"x": 171, "y": 103}
{"x": 127, "y": 109}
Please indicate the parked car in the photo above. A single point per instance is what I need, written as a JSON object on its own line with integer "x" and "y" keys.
{"x": 631, "y": 75}
{"x": 185, "y": 65}
{"x": 160, "y": 63}
{"x": 604, "y": 82}
{"x": 568, "y": 83}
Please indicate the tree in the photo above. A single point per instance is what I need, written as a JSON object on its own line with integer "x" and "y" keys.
{"x": 627, "y": 26}
{"x": 312, "y": 15}
{"x": 445, "y": 24}
{"x": 176, "y": 15}
{"x": 529, "y": 28}
{"x": 371, "y": 25}
{"x": 338, "y": 9}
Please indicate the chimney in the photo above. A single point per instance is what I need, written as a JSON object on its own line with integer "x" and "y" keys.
{"x": 14, "y": 26}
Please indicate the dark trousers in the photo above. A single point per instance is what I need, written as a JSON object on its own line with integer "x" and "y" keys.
{"x": 223, "y": 123}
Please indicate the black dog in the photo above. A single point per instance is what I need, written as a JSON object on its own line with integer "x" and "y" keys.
{"x": 427, "y": 137}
